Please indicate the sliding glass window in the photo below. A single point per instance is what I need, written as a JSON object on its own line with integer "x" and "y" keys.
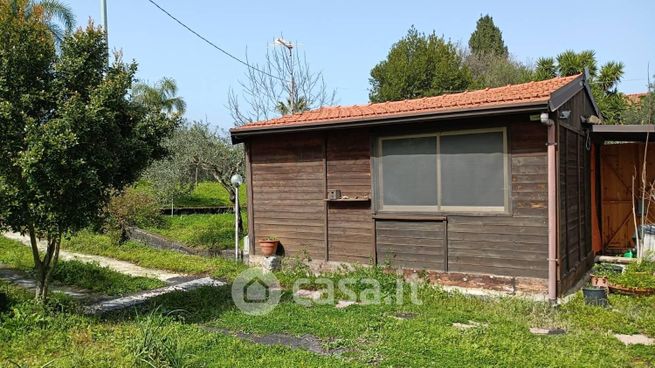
{"x": 464, "y": 171}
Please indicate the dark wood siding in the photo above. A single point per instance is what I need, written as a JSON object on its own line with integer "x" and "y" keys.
{"x": 412, "y": 244}
{"x": 575, "y": 249}
{"x": 288, "y": 192}
{"x": 514, "y": 244}
{"x": 290, "y": 174}
{"x": 350, "y": 234}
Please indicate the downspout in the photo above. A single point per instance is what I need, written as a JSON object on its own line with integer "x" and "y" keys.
{"x": 552, "y": 207}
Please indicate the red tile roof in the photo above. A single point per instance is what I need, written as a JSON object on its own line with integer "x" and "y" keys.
{"x": 635, "y": 98}
{"x": 526, "y": 93}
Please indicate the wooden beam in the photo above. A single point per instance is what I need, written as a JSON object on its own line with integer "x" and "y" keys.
{"x": 251, "y": 203}
{"x": 445, "y": 245}
{"x": 325, "y": 203}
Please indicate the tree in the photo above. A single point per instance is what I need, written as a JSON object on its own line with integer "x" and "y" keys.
{"x": 162, "y": 95}
{"x": 216, "y": 155}
{"x": 57, "y": 16}
{"x": 419, "y": 65}
{"x": 641, "y": 111}
{"x": 488, "y": 59}
{"x": 196, "y": 146}
{"x": 487, "y": 39}
{"x": 172, "y": 176}
{"x": 268, "y": 87}
{"x": 603, "y": 81}
{"x": 495, "y": 71}
{"x": 70, "y": 133}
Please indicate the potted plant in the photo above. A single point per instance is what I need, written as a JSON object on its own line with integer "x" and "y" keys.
{"x": 268, "y": 246}
{"x": 601, "y": 272}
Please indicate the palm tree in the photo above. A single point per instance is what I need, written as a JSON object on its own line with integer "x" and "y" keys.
{"x": 162, "y": 94}
{"x": 56, "y": 15}
{"x": 603, "y": 80}
{"x": 284, "y": 107}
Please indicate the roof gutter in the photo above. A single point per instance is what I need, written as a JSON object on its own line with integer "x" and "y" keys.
{"x": 238, "y": 135}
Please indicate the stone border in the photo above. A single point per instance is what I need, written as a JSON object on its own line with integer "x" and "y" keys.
{"x": 485, "y": 283}
{"x": 199, "y": 210}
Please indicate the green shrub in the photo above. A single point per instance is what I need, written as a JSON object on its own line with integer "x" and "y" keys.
{"x": 131, "y": 208}
{"x": 636, "y": 275}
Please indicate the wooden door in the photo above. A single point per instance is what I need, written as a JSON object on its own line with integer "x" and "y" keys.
{"x": 620, "y": 164}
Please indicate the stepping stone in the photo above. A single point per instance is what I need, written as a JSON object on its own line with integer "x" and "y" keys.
{"x": 469, "y": 325}
{"x": 142, "y": 297}
{"x": 639, "y": 339}
{"x": 547, "y": 331}
{"x": 345, "y": 304}
{"x": 304, "y": 342}
{"x": 309, "y": 294}
{"x": 404, "y": 315}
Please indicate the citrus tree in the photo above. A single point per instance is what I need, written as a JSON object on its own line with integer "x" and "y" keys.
{"x": 70, "y": 133}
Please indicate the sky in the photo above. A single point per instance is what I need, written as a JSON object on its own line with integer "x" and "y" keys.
{"x": 345, "y": 39}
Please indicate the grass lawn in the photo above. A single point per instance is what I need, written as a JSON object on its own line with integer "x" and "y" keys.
{"x": 206, "y": 194}
{"x": 92, "y": 277}
{"x": 206, "y": 231}
{"x": 91, "y": 243}
{"x": 368, "y": 334}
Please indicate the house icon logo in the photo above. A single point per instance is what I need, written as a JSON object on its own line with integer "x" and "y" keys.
{"x": 256, "y": 292}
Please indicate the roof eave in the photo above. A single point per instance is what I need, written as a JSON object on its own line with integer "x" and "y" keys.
{"x": 239, "y": 134}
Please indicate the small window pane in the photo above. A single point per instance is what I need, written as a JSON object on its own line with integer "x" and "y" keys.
{"x": 409, "y": 171}
{"x": 472, "y": 170}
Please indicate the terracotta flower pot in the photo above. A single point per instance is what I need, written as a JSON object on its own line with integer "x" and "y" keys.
{"x": 268, "y": 247}
{"x": 599, "y": 281}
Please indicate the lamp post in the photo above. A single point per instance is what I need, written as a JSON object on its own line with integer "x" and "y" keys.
{"x": 236, "y": 180}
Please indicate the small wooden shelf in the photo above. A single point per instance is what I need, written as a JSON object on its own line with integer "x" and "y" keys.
{"x": 349, "y": 200}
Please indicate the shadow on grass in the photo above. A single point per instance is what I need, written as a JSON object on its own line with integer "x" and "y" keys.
{"x": 196, "y": 306}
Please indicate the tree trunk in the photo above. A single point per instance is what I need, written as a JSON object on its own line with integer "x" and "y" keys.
{"x": 46, "y": 266}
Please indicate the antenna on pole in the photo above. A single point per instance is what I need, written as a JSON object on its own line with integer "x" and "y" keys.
{"x": 292, "y": 89}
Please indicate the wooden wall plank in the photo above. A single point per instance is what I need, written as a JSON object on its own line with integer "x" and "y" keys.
{"x": 348, "y": 169}
{"x": 287, "y": 177}
{"x": 411, "y": 244}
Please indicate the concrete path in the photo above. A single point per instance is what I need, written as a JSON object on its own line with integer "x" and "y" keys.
{"x": 26, "y": 281}
{"x": 142, "y": 297}
{"x": 116, "y": 265}
{"x": 176, "y": 281}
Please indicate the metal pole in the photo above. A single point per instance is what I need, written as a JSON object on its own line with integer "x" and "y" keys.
{"x": 103, "y": 17}
{"x": 236, "y": 223}
{"x": 293, "y": 82}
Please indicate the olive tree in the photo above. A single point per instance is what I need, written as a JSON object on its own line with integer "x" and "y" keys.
{"x": 196, "y": 147}
{"x": 70, "y": 133}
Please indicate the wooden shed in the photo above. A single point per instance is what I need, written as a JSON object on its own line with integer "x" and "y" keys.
{"x": 457, "y": 185}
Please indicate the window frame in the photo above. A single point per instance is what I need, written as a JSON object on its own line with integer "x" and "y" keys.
{"x": 439, "y": 208}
